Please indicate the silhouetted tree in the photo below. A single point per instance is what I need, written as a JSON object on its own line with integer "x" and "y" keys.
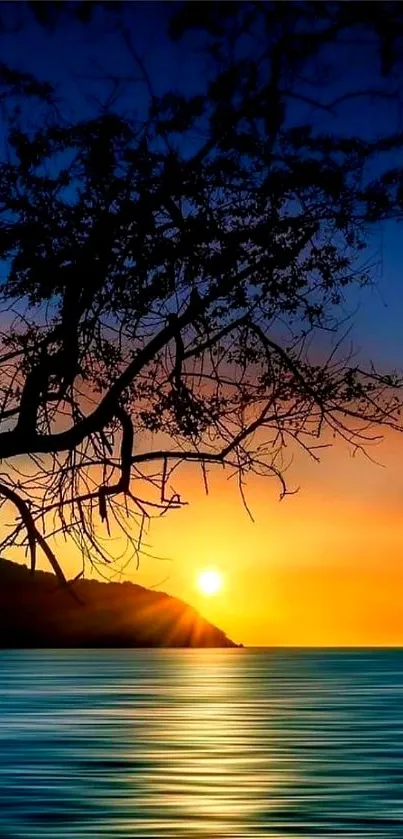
{"x": 165, "y": 269}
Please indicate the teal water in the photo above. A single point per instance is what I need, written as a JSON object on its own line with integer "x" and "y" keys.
{"x": 201, "y": 743}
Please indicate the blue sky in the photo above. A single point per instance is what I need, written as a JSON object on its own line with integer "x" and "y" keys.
{"x": 74, "y": 53}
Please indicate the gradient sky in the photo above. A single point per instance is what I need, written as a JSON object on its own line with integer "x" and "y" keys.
{"x": 324, "y": 566}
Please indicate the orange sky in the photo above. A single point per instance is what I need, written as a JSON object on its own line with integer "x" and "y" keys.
{"x": 323, "y": 567}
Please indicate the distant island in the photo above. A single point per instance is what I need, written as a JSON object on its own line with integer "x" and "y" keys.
{"x": 36, "y": 612}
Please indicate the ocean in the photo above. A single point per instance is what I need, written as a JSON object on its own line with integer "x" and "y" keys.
{"x": 201, "y": 743}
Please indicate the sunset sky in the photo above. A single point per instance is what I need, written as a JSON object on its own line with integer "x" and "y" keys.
{"x": 321, "y": 567}
{"x": 324, "y": 566}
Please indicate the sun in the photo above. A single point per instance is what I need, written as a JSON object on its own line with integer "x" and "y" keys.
{"x": 209, "y": 581}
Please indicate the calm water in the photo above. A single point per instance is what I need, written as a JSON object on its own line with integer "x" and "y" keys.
{"x": 227, "y": 743}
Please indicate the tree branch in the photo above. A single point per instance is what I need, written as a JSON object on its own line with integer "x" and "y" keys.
{"x": 33, "y": 534}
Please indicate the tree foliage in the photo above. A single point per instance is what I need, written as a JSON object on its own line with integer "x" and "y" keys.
{"x": 166, "y": 268}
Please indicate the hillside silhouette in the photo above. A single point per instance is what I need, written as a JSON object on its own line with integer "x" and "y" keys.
{"x": 36, "y": 612}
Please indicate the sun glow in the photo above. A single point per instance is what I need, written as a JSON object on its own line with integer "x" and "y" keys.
{"x": 209, "y": 581}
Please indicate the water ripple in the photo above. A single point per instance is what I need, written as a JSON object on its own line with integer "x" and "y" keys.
{"x": 201, "y": 743}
